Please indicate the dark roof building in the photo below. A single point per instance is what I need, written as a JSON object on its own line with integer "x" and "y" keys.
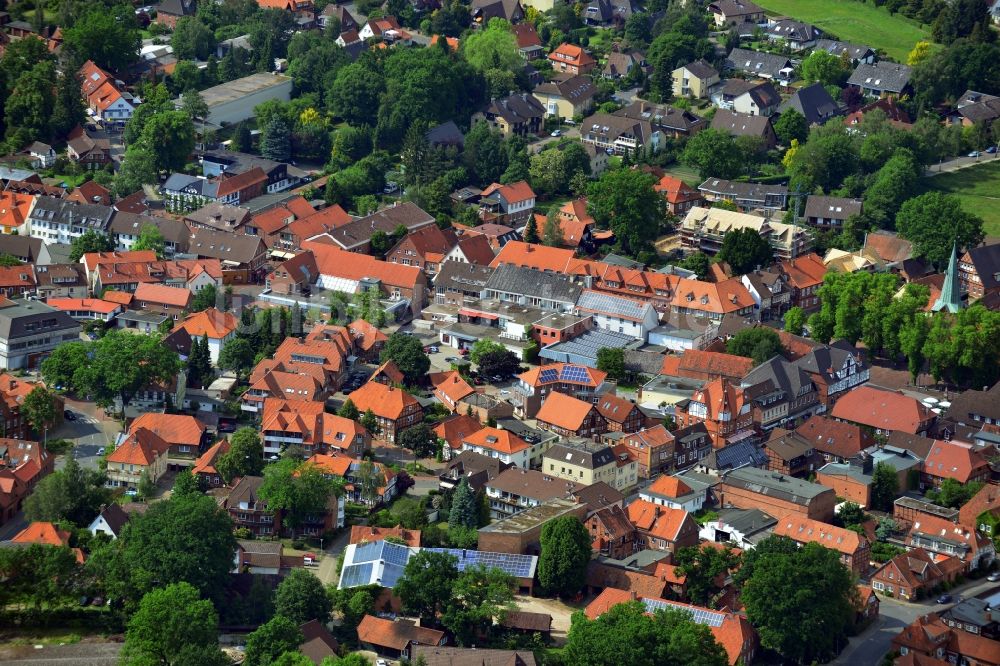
{"x": 813, "y": 102}
{"x": 759, "y": 63}
{"x": 882, "y": 78}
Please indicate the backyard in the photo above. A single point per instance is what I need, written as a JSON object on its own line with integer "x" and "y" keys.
{"x": 857, "y": 22}
{"x": 978, "y": 188}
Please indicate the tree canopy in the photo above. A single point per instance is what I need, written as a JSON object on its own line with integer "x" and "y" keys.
{"x": 300, "y": 597}
{"x": 934, "y": 222}
{"x": 624, "y": 201}
{"x": 173, "y": 625}
{"x": 745, "y": 251}
{"x": 408, "y": 355}
{"x": 566, "y": 550}
{"x": 759, "y": 343}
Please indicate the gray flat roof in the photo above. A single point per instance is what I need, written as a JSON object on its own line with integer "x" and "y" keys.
{"x": 233, "y": 90}
{"x": 533, "y": 517}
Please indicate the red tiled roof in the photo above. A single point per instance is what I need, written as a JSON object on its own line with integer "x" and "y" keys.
{"x": 396, "y": 635}
{"x": 955, "y": 460}
{"x": 335, "y": 262}
{"x": 834, "y": 437}
{"x": 676, "y": 190}
{"x": 365, "y": 533}
{"x": 887, "y": 410}
{"x": 660, "y": 521}
{"x": 572, "y": 54}
{"x": 173, "y": 428}
{"x": 502, "y": 441}
{"x": 669, "y": 486}
{"x": 532, "y": 377}
{"x": 614, "y": 408}
{"x": 450, "y": 387}
{"x": 695, "y": 362}
{"x": 142, "y": 447}
{"x": 805, "y": 271}
{"x": 119, "y": 297}
{"x": 216, "y": 325}
{"x": 385, "y": 401}
{"x": 86, "y": 304}
{"x": 512, "y": 193}
{"x": 563, "y": 411}
{"x": 162, "y": 294}
{"x": 805, "y": 530}
{"x": 476, "y": 248}
{"x": 206, "y": 461}
{"x": 456, "y": 428}
{"x": 92, "y": 259}
{"x": 365, "y": 335}
{"x": 44, "y": 533}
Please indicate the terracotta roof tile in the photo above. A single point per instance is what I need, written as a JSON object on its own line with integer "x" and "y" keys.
{"x": 564, "y": 411}
{"x": 173, "y": 428}
{"x": 387, "y": 402}
{"x": 216, "y": 325}
{"x": 660, "y": 521}
{"x": 502, "y": 441}
{"x": 163, "y": 295}
{"x": 396, "y": 635}
{"x": 44, "y": 533}
{"x": 887, "y": 410}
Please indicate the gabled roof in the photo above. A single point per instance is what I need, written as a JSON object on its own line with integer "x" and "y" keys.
{"x": 669, "y": 486}
{"x": 173, "y": 428}
{"x": 450, "y": 387}
{"x": 397, "y": 635}
{"x": 805, "y": 530}
{"x": 564, "y": 411}
{"x": 954, "y": 460}
{"x": 206, "y": 461}
{"x": 697, "y": 362}
{"x": 366, "y": 533}
{"x": 455, "y": 428}
{"x": 572, "y": 54}
{"x": 514, "y": 192}
{"x": 757, "y": 62}
{"x": 335, "y": 262}
{"x": 883, "y": 75}
{"x": 741, "y": 124}
{"x": 805, "y": 271}
{"x": 141, "y": 447}
{"x": 387, "y": 402}
{"x": 44, "y": 533}
{"x": 160, "y": 294}
{"x": 660, "y": 521}
{"x": 615, "y": 408}
{"x": 833, "y": 437}
{"x": 813, "y": 102}
{"x": 503, "y": 442}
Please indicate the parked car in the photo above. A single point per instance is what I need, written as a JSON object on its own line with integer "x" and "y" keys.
{"x": 100, "y": 451}
{"x": 68, "y": 415}
{"x": 452, "y": 359}
{"x": 434, "y": 349}
{"x": 994, "y": 577}
{"x": 991, "y": 150}
{"x": 974, "y": 153}
{"x": 944, "y": 599}
{"x": 556, "y": 133}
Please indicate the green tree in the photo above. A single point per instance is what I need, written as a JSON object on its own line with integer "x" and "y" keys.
{"x": 145, "y": 488}
{"x": 354, "y": 95}
{"x": 192, "y": 40}
{"x": 237, "y": 355}
{"x": 300, "y": 597}
{"x": 624, "y": 201}
{"x": 705, "y": 570}
{"x": 566, "y": 549}
{"x": 485, "y": 153}
{"x": 464, "y": 507}
{"x": 185, "y": 483}
{"x": 39, "y": 576}
{"x": 170, "y": 135}
{"x": 552, "y": 234}
{"x": 826, "y": 68}
{"x": 531, "y": 232}
{"x": 760, "y": 344}
{"x": 72, "y": 494}
{"x": 204, "y": 298}
{"x": 492, "y": 48}
{"x": 173, "y": 625}
{"x": 109, "y": 37}
{"x": 349, "y": 410}
{"x": 795, "y": 321}
{"x": 825, "y": 160}
{"x": 370, "y": 478}
{"x": 39, "y": 409}
{"x": 638, "y": 31}
{"x": 298, "y": 490}
{"x": 276, "y": 140}
{"x": 612, "y": 361}
{"x": 420, "y": 439}
{"x": 69, "y": 109}
{"x": 199, "y": 364}
{"x": 714, "y": 154}
{"x": 183, "y": 539}
{"x": 408, "y": 355}
{"x": 151, "y": 238}
{"x": 782, "y": 610}
{"x": 139, "y": 167}
{"x": 272, "y": 639}
{"x": 370, "y": 423}
{"x": 628, "y": 634}
{"x": 30, "y": 106}
{"x": 242, "y": 139}
{"x": 745, "y": 250}
{"x": 245, "y": 456}
{"x": 697, "y": 262}
{"x": 934, "y": 222}
{"x": 791, "y": 125}
{"x": 425, "y": 586}
{"x": 90, "y": 241}
{"x": 503, "y": 364}
{"x": 484, "y": 346}
{"x": 885, "y": 486}
{"x": 479, "y": 597}
{"x": 294, "y": 659}
{"x": 953, "y": 494}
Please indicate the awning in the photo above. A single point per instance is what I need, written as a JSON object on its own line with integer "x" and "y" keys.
{"x": 478, "y": 313}
{"x": 278, "y": 254}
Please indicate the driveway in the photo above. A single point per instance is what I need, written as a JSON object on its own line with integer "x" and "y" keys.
{"x": 957, "y": 163}
{"x": 560, "y": 611}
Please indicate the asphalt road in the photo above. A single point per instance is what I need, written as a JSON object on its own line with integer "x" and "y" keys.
{"x": 957, "y": 163}
{"x": 870, "y": 646}
{"x": 89, "y": 434}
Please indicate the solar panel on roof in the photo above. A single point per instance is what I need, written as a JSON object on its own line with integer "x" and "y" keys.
{"x": 703, "y": 616}
{"x": 394, "y": 553}
{"x": 519, "y": 566}
{"x": 357, "y": 574}
{"x": 368, "y": 552}
{"x": 391, "y": 573}
{"x": 549, "y": 375}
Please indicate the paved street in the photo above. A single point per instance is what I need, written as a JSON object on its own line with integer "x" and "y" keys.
{"x": 90, "y": 432}
{"x": 958, "y": 163}
{"x": 873, "y": 643}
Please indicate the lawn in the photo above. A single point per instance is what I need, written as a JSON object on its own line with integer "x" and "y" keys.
{"x": 853, "y": 21}
{"x": 685, "y": 173}
{"x": 979, "y": 189}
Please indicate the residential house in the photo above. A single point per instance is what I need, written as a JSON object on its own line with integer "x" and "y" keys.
{"x": 534, "y": 386}
{"x": 218, "y": 163}
{"x": 471, "y": 249}
{"x": 28, "y": 462}
{"x": 450, "y": 388}
{"x": 612, "y": 532}
{"x": 529, "y": 44}
{"x": 665, "y": 119}
{"x": 729, "y": 13}
{"x": 780, "y": 393}
{"x": 61, "y": 281}
{"x": 804, "y": 274}
{"x": 954, "y": 460}
{"x": 569, "y": 417}
{"x": 247, "y": 510}
{"x": 350, "y": 469}
{"x": 853, "y": 548}
{"x": 519, "y": 114}
{"x": 775, "y": 493}
{"x": 884, "y": 411}
{"x": 619, "y": 314}
{"x": 620, "y": 414}
{"x": 796, "y": 35}
{"x": 90, "y": 192}
{"x": 507, "y": 204}
{"x": 395, "y": 638}
{"x": 168, "y": 12}
{"x": 575, "y": 225}
{"x": 913, "y": 574}
{"x": 680, "y": 196}
{"x": 484, "y": 10}
{"x": 125, "y": 229}
{"x": 813, "y": 102}
{"x": 857, "y": 53}
{"x": 979, "y": 271}
{"x": 791, "y": 454}
{"x": 109, "y": 521}
{"x": 695, "y": 80}
{"x": 42, "y": 153}
{"x": 243, "y": 257}
{"x": 751, "y": 98}
{"x": 17, "y": 281}
{"x": 764, "y": 65}
{"x": 566, "y": 97}
{"x": 527, "y": 287}
{"x": 723, "y": 407}
{"x": 661, "y": 527}
{"x": 141, "y": 452}
{"x": 852, "y": 480}
{"x": 975, "y": 409}
{"x": 943, "y": 537}
{"x": 517, "y": 489}
{"x": 706, "y": 365}
{"x": 355, "y": 235}
{"x": 830, "y": 212}
{"x": 458, "y": 283}
{"x": 90, "y": 153}
{"x": 171, "y": 302}
{"x": 218, "y": 327}
{"x": 59, "y": 221}
{"x": 385, "y": 29}
{"x": 835, "y": 440}
{"x": 344, "y": 20}
{"x": 15, "y": 208}
{"x": 609, "y": 12}
{"x": 496, "y": 235}
{"x": 746, "y": 196}
{"x": 620, "y": 134}
{"x": 571, "y": 59}
{"x": 587, "y": 464}
{"x": 503, "y": 445}
{"x": 394, "y": 409}
{"x": 424, "y": 248}
{"x": 881, "y": 78}
{"x": 772, "y": 296}
{"x": 741, "y": 124}
{"x": 676, "y": 492}
{"x": 205, "y": 466}
{"x": 183, "y": 433}
{"x": 30, "y": 330}
{"x": 742, "y": 528}
{"x": 621, "y": 64}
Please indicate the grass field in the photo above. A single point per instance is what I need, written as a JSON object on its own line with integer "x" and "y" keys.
{"x": 853, "y": 21}
{"x": 979, "y": 189}
{"x": 685, "y": 173}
